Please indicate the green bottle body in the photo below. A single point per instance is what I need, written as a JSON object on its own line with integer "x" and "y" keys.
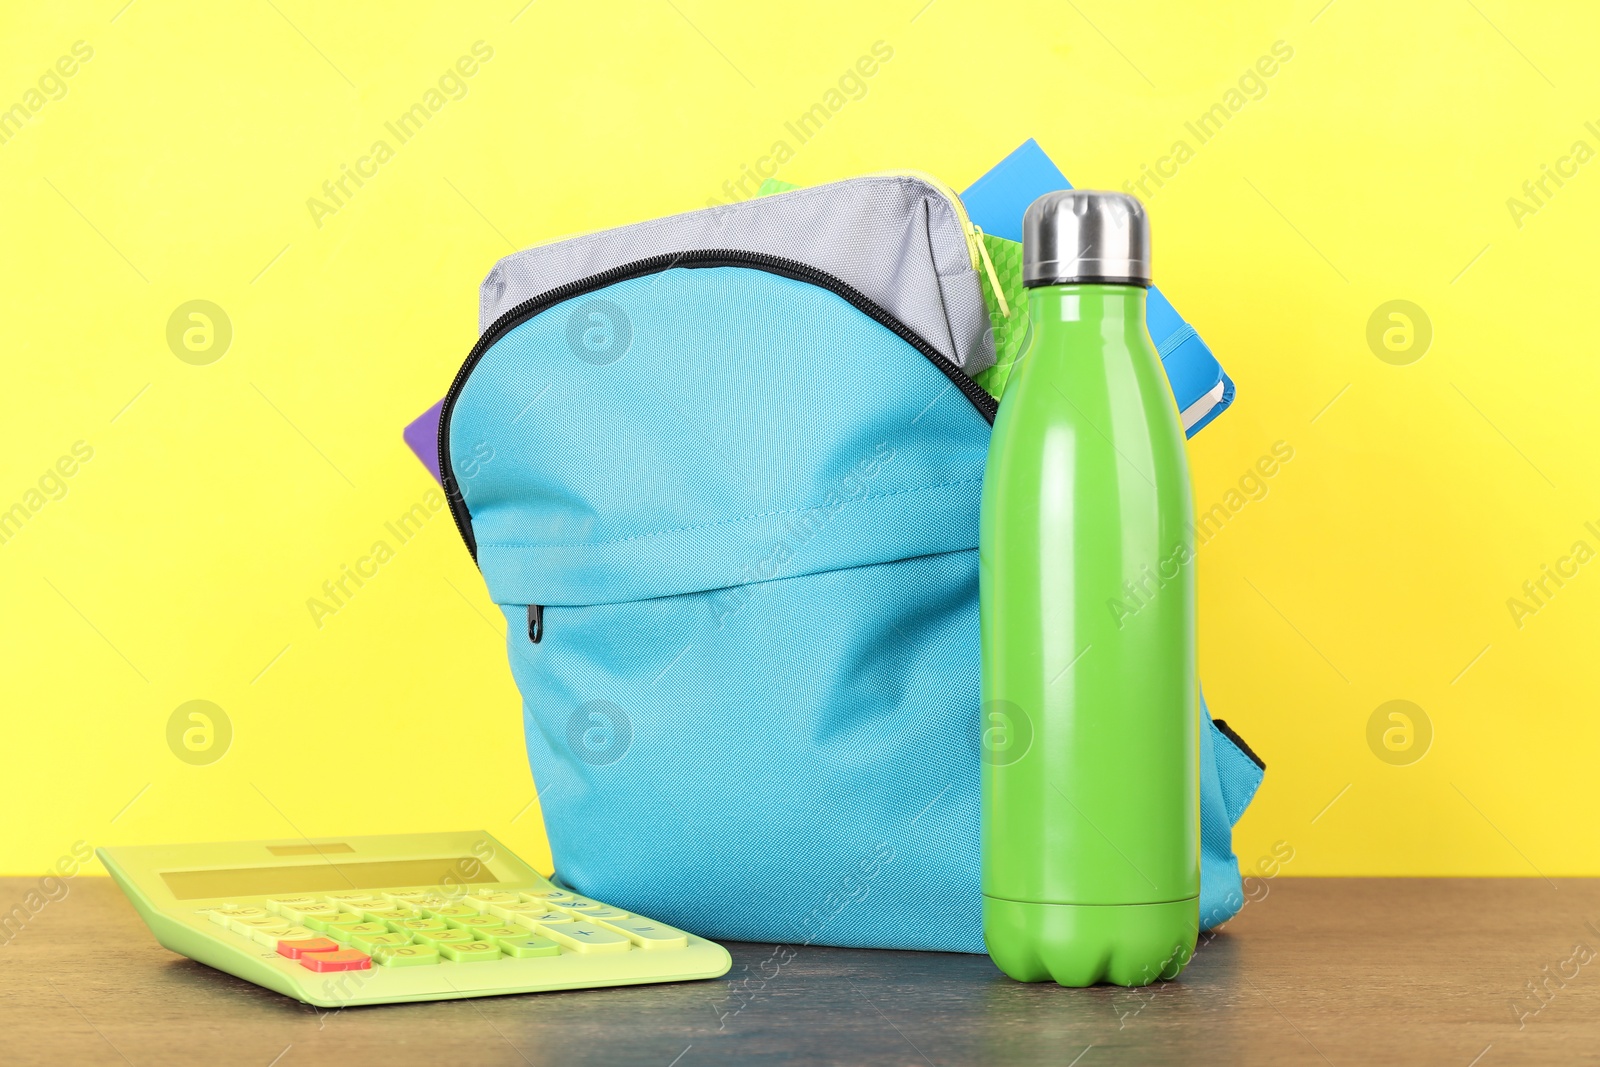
{"x": 1090, "y": 773}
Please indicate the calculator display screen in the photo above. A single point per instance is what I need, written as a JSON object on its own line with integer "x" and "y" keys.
{"x": 328, "y": 877}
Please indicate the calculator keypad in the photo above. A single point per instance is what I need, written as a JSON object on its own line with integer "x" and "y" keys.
{"x": 413, "y": 928}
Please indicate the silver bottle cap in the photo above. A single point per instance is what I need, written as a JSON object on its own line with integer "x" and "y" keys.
{"x": 1082, "y": 235}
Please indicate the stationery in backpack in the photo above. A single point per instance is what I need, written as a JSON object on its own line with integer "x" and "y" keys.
{"x": 721, "y": 473}
{"x": 996, "y": 202}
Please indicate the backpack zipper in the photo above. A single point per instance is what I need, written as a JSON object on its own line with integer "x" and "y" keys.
{"x": 977, "y": 251}
{"x": 788, "y": 268}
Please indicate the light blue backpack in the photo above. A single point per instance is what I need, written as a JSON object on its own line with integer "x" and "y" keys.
{"x": 721, "y": 472}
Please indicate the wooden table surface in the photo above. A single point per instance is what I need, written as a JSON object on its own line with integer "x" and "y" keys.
{"x": 1337, "y": 971}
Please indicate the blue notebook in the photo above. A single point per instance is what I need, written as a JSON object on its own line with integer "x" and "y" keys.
{"x": 996, "y": 202}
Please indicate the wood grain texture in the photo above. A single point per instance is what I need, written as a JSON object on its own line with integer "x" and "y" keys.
{"x": 1337, "y": 971}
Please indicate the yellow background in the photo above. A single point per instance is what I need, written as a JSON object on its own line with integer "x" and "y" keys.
{"x": 220, "y": 497}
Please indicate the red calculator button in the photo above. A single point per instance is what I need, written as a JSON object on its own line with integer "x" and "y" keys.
{"x": 345, "y": 959}
{"x": 295, "y": 949}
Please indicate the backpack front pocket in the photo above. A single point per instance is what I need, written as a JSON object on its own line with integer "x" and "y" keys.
{"x": 793, "y": 759}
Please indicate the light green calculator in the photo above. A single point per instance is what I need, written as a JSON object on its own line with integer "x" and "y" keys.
{"x": 376, "y": 920}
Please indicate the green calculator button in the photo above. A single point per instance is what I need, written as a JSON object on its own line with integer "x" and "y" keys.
{"x": 339, "y": 932}
{"x": 303, "y": 915}
{"x": 444, "y": 937}
{"x": 385, "y": 915}
{"x": 406, "y": 956}
{"x": 430, "y": 902}
{"x": 539, "y": 895}
{"x": 418, "y": 926}
{"x": 271, "y": 937}
{"x": 543, "y": 917}
{"x": 451, "y": 911}
{"x": 225, "y": 916}
{"x": 647, "y": 934}
{"x": 467, "y": 922}
{"x": 470, "y": 951}
{"x": 346, "y": 932}
{"x": 586, "y": 937}
{"x": 528, "y": 946}
{"x": 277, "y": 904}
{"x": 495, "y": 933}
{"x": 409, "y": 896}
{"x": 324, "y": 920}
{"x": 370, "y": 943}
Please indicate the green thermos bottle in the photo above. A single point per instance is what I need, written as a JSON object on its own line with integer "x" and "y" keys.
{"x": 1090, "y": 774}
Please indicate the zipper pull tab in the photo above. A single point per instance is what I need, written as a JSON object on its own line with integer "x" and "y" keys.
{"x": 994, "y": 277}
{"x": 535, "y": 622}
